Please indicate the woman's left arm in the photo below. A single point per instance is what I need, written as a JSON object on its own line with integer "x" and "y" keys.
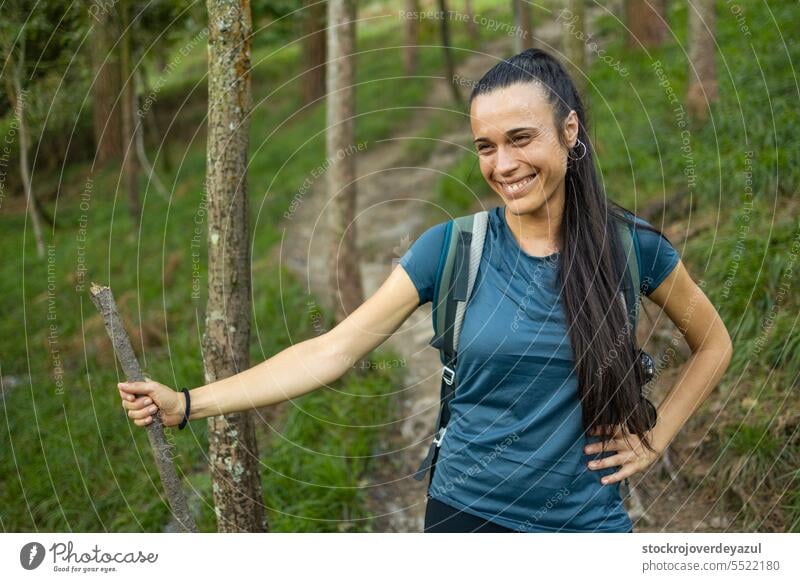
{"x": 688, "y": 307}
{"x": 695, "y": 316}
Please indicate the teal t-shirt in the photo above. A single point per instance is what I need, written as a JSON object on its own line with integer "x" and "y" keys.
{"x": 513, "y": 450}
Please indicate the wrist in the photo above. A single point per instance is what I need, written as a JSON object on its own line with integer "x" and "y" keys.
{"x": 186, "y": 411}
{"x": 658, "y": 439}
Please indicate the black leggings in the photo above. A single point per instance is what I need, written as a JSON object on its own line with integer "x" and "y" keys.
{"x": 442, "y": 518}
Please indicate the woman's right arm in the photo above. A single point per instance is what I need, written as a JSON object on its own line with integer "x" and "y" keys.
{"x": 294, "y": 371}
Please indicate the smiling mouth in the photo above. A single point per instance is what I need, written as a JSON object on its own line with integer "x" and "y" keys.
{"x": 518, "y": 186}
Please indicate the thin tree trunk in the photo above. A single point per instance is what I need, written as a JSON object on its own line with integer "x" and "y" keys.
{"x": 18, "y": 99}
{"x": 150, "y": 118}
{"x": 523, "y": 26}
{"x": 47, "y": 219}
{"x": 131, "y": 167}
{"x": 647, "y": 22}
{"x": 411, "y": 30}
{"x": 574, "y": 44}
{"x": 105, "y": 91}
{"x": 702, "y": 89}
{"x": 141, "y": 152}
{"x": 345, "y": 275}
{"x": 449, "y": 65}
{"x": 233, "y": 453}
{"x": 314, "y": 50}
{"x": 472, "y": 30}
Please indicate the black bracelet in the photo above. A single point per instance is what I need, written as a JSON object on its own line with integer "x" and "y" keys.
{"x": 186, "y": 413}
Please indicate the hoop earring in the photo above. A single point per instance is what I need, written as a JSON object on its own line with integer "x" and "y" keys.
{"x": 583, "y": 155}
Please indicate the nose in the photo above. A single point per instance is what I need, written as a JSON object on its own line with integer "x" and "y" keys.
{"x": 506, "y": 162}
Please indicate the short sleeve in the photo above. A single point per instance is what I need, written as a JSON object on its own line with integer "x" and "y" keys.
{"x": 657, "y": 257}
{"x": 421, "y": 261}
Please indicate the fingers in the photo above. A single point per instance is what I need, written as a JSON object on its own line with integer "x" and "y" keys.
{"x": 612, "y": 461}
{"x": 137, "y": 400}
{"x": 142, "y": 412}
{"x": 136, "y": 387}
{"x": 625, "y": 472}
{"x": 131, "y": 402}
{"x": 144, "y": 421}
{"x": 604, "y": 446}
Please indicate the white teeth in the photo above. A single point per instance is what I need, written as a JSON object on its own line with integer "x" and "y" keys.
{"x": 512, "y": 188}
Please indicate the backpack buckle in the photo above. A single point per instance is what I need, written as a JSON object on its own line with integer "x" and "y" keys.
{"x": 448, "y": 374}
{"x": 437, "y": 440}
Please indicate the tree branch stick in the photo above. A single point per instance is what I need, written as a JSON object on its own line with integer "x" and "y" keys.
{"x": 103, "y": 299}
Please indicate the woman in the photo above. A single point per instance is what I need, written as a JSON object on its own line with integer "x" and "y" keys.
{"x": 548, "y": 418}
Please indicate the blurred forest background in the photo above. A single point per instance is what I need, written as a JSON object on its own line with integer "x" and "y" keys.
{"x": 109, "y": 144}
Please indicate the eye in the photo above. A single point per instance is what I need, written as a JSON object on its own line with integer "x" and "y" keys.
{"x": 521, "y": 138}
{"x": 483, "y": 148}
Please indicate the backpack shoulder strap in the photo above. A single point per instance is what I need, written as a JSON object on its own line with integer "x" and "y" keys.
{"x": 458, "y": 267}
{"x": 630, "y": 248}
{"x": 480, "y": 221}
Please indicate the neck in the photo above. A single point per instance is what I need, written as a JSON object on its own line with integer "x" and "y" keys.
{"x": 539, "y": 230}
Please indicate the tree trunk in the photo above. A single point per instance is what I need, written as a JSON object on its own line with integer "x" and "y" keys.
{"x": 449, "y": 65}
{"x": 523, "y": 28}
{"x": 314, "y": 52}
{"x": 702, "y": 60}
{"x": 345, "y": 275}
{"x": 411, "y": 30}
{"x": 130, "y": 163}
{"x": 233, "y": 453}
{"x": 18, "y": 99}
{"x": 472, "y": 30}
{"x": 141, "y": 151}
{"x": 647, "y": 22}
{"x": 574, "y": 45}
{"x": 105, "y": 91}
{"x": 149, "y": 120}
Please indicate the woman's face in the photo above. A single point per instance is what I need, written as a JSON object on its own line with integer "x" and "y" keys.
{"x": 518, "y": 149}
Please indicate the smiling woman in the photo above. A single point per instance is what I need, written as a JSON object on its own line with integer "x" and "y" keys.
{"x": 545, "y": 376}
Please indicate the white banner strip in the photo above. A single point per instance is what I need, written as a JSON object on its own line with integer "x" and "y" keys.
{"x": 412, "y": 557}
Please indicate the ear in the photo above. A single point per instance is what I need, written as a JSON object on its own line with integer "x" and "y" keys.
{"x": 571, "y": 127}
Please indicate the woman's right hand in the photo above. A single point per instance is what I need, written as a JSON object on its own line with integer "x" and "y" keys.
{"x": 143, "y": 400}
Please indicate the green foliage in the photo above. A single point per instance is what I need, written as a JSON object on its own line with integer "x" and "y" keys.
{"x": 463, "y": 186}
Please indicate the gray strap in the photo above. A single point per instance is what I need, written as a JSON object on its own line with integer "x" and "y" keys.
{"x": 479, "y": 224}
{"x": 632, "y": 272}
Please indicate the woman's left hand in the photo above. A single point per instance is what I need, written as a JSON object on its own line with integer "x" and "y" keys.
{"x": 631, "y": 456}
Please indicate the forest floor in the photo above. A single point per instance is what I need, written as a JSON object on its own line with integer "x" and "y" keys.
{"x": 395, "y": 198}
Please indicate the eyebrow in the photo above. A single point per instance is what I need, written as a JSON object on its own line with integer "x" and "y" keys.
{"x": 509, "y": 133}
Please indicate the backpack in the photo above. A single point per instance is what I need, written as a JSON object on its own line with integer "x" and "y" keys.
{"x": 457, "y": 269}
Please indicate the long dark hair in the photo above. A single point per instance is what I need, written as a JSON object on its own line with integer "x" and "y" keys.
{"x": 591, "y": 272}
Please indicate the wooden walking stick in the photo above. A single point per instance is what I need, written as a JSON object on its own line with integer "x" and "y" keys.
{"x": 103, "y": 299}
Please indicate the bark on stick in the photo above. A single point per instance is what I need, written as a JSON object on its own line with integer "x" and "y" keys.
{"x": 103, "y": 299}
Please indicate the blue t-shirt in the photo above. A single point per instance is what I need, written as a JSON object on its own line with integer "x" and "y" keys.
{"x": 513, "y": 450}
